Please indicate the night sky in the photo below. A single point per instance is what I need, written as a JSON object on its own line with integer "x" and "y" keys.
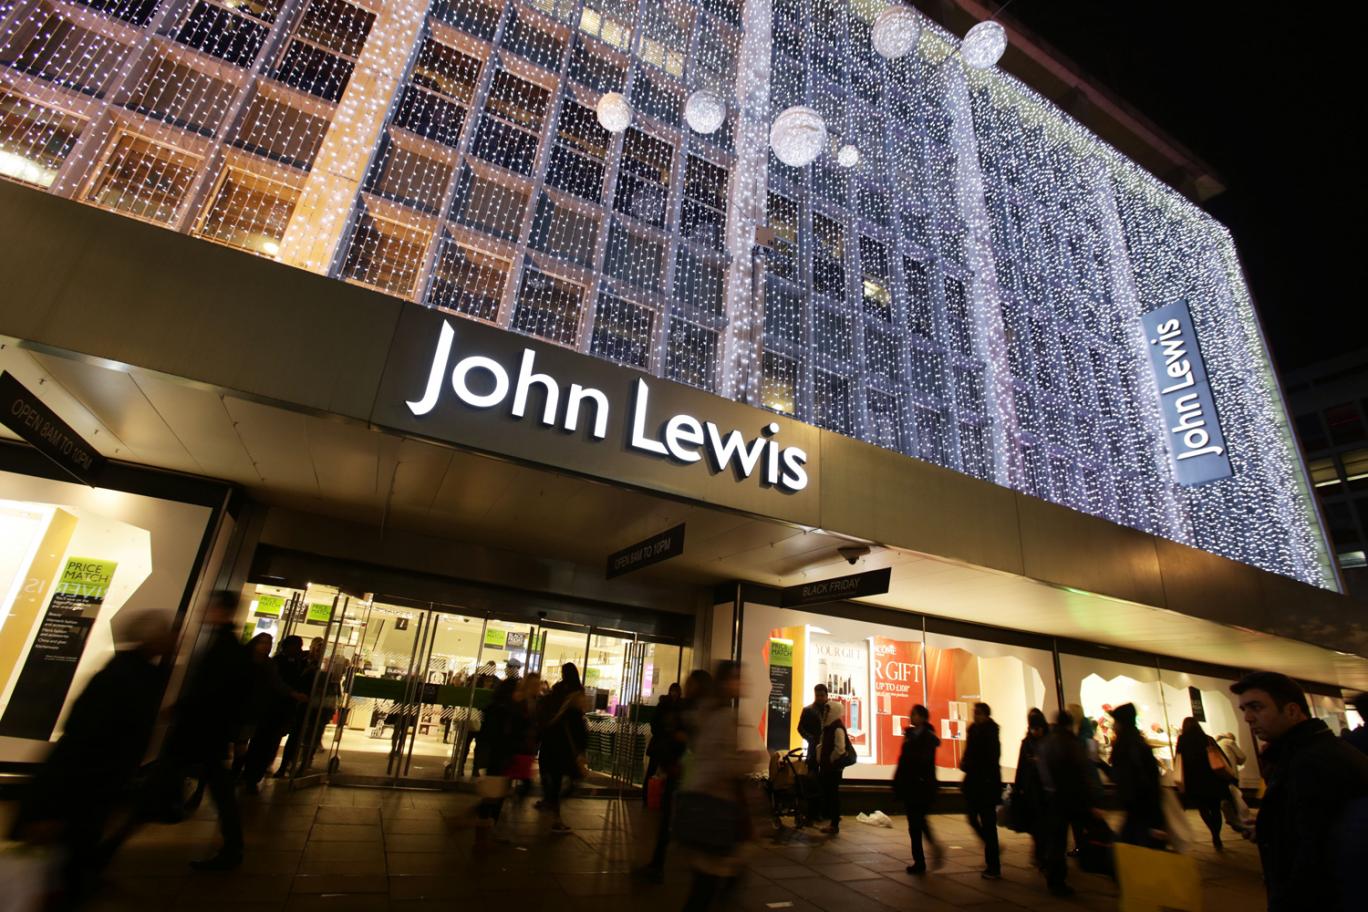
{"x": 1271, "y": 103}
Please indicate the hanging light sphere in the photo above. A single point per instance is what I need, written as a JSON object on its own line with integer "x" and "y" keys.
{"x": 896, "y": 32}
{"x": 798, "y": 136}
{"x": 848, "y": 156}
{"x": 984, "y": 44}
{"x": 704, "y": 112}
{"x": 614, "y": 113}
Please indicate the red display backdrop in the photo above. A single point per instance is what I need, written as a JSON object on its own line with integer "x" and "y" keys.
{"x": 897, "y": 688}
{"x": 951, "y": 677}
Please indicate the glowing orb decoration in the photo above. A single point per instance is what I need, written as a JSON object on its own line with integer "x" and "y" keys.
{"x": 705, "y": 112}
{"x": 848, "y": 157}
{"x": 798, "y": 136}
{"x": 614, "y": 113}
{"x": 896, "y": 32}
{"x": 984, "y": 44}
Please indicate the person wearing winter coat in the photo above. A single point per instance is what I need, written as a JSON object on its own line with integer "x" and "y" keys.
{"x": 1236, "y": 812}
{"x": 1203, "y": 787}
{"x": 564, "y": 738}
{"x": 982, "y": 785}
{"x": 1136, "y": 774}
{"x": 1312, "y": 828}
{"x": 831, "y": 765}
{"x": 1068, "y": 798}
{"x": 914, "y": 783}
{"x": 1028, "y": 794}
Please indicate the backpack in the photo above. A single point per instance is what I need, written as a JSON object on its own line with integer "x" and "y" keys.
{"x": 848, "y": 756}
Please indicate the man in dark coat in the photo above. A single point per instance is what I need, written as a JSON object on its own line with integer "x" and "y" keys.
{"x": 1136, "y": 774}
{"x": 1068, "y": 798}
{"x": 208, "y": 715}
{"x": 914, "y": 783}
{"x": 1310, "y": 827}
{"x": 103, "y": 743}
{"x": 811, "y": 722}
{"x": 982, "y": 768}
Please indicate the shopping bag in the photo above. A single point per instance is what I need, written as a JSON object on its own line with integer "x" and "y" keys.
{"x": 655, "y": 792}
{"x": 1175, "y": 821}
{"x": 1152, "y": 880}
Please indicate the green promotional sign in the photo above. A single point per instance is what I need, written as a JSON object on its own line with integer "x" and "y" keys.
{"x": 320, "y": 613}
{"x": 269, "y": 605}
{"x": 495, "y": 639}
{"x": 781, "y": 652}
{"x": 86, "y": 577}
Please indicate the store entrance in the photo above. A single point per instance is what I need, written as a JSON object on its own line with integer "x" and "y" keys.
{"x": 400, "y": 689}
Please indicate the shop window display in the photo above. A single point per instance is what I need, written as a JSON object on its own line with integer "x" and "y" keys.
{"x": 1330, "y": 710}
{"x": 1216, "y": 709}
{"x": 876, "y": 671}
{"x": 74, "y": 562}
{"x": 1011, "y": 679}
{"x": 1099, "y": 685}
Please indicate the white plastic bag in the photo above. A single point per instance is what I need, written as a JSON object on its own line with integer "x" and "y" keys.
{"x": 877, "y": 818}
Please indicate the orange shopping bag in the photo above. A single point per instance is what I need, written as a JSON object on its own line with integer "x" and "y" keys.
{"x": 1152, "y": 880}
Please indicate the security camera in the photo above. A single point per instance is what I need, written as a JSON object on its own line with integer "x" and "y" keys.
{"x": 853, "y": 553}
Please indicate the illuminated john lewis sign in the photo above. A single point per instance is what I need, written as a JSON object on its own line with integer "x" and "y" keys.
{"x": 487, "y": 383}
{"x": 1196, "y": 446}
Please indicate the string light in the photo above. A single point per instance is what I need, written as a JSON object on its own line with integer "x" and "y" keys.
{"x": 959, "y": 268}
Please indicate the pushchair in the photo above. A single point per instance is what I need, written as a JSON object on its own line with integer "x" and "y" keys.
{"x": 790, "y": 787}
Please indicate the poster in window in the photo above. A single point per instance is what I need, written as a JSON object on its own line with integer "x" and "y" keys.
{"x": 897, "y": 688}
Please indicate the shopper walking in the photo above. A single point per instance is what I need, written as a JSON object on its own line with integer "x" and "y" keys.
{"x": 271, "y": 704}
{"x": 664, "y": 721}
{"x": 503, "y": 737}
{"x": 88, "y": 773}
{"x": 833, "y": 756}
{"x": 1136, "y": 774}
{"x": 1311, "y": 824}
{"x": 208, "y": 714}
{"x": 1028, "y": 794}
{"x": 712, "y": 820}
{"x": 982, "y": 785}
{"x": 1233, "y": 806}
{"x": 914, "y": 782}
{"x": 1068, "y": 798}
{"x": 564, "y": 737}
{"x": 669, "y": 740}
{"x": 1204, "y": 777}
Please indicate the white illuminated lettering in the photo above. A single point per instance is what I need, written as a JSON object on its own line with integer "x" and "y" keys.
{"x": 681, "y": 432}
{"x": 640, "y": 401}
{"x": 434, "y": 382}
{"x": 526, "y": 379}
{"x": 460, "y": 376}
{"x": 578, "y": 395}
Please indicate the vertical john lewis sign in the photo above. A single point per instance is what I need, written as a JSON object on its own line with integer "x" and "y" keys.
{"x": 1196, "y": 446}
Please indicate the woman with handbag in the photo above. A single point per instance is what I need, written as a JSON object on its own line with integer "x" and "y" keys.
{"x": 564, "y": 737}
{"x": 1205, "y": 776}
{"x": 712, "y": 819}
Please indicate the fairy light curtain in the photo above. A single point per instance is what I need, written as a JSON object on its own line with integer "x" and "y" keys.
{"x": 964, "y": 287}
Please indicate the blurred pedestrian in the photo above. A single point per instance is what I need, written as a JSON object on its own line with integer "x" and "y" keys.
{"x": 271, "y": 703}
{"x": 1068, "y": 798}
{"x": 503, "y": 739}
{"x": 1028, "y": 793}
{"x": 669, "y": 740}
{"x": 1311, "y": 824}
{"x": 833, "y": 756}
{"x": 88, "y": 773}
{"x": 664, "y": 720}
{"x": 1205, "y": 777}
{"x": 1136, "y": 774}
{"x": 982, "y": 785}
{"x": 914, "y": 782}
{"x": 1084, "y": 730}
{"x": 564, "y": 738}
{"x": 1233, "y": 806}
{"x": 811, "y": 721}
{"x": 713, "y": 821}
{"x": 208, "y": 714}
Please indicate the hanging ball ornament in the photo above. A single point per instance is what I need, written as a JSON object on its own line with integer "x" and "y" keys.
{"x": 798, "y": 136}
{"x": 614, "y": 113}
{"x": 704, "y": 112}
{"x": 896, "y": 32}
{"x": 848, "y": 156}
{"x": 984, "y": 44}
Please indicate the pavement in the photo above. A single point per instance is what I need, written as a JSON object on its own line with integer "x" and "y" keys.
{"x": 332, "y": 848}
